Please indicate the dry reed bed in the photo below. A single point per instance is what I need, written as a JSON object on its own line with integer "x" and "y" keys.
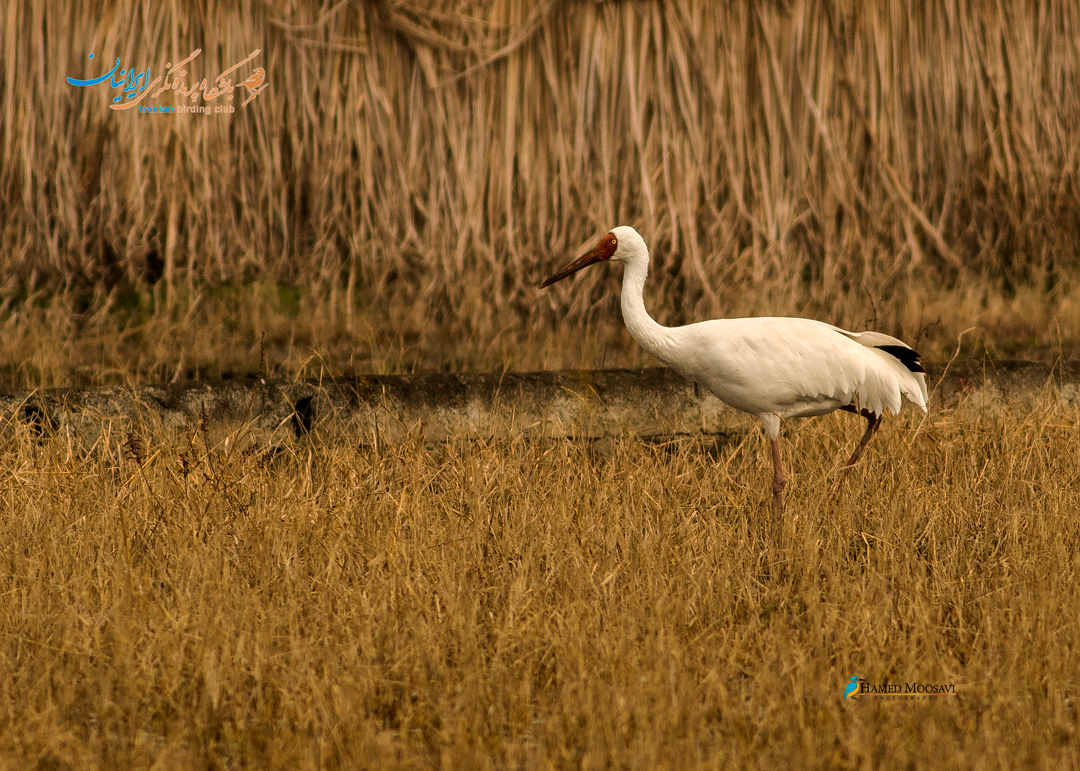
{"x": 196, "y": 600}
{"x": 424, "y": 164}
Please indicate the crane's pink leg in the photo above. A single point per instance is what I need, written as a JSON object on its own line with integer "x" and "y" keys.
{"x": 778, "y": 483}
{"x": 872, "y": 423}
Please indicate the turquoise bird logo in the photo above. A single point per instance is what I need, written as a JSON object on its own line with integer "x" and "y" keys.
{"x": 851, "y": 688}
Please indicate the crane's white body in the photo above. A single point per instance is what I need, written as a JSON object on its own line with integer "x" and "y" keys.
{"x": 773, "y": 368}
{"x": 770, "y": 367}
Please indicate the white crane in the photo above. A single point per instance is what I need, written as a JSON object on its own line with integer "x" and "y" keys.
{"x": 773, "y": 368}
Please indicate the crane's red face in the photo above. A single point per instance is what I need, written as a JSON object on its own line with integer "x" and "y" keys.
{"x": 599, "y": 253}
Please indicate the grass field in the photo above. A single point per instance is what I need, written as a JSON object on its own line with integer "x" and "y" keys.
{"x": 196, "y": 601}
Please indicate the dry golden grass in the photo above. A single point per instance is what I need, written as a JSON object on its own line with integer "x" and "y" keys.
{"x": 129, "y": 338}
{"x": 420, "y": 166}
{"x": 194, "y": 601}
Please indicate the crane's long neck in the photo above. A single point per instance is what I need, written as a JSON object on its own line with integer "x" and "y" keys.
{"x": 653, "y": 337}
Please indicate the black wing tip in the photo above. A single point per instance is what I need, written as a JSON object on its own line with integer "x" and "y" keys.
{"x": 907, "y": 356}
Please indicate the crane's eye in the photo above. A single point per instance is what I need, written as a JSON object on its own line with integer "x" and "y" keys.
{"x": 613, "y": 242}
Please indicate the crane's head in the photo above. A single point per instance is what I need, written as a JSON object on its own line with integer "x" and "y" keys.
{"x": 621, "y": 244}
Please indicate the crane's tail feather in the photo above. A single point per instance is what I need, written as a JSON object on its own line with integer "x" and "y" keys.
{"x": 909, "y": 357}
{"x": 913, "y": 375}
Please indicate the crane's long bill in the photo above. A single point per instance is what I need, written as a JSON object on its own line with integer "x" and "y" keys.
{"x": 602, "y": 251}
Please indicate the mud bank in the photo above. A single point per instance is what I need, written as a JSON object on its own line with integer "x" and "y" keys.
{"x": 438, "y": 407}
